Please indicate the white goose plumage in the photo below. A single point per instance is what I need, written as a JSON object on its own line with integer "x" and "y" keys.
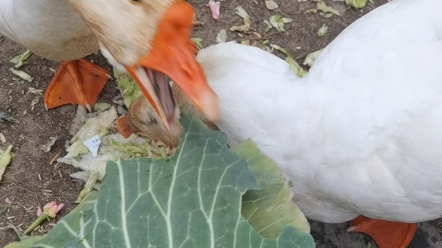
{"x": 361, "y": 134}
{"x": 49, "y": 28}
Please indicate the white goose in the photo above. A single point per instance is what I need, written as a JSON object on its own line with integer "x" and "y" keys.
{"x": 149, "y": 39}
{"x": 361, "y": 134}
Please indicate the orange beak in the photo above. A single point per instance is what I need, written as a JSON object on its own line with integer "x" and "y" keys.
{"x": 173, "y": 54}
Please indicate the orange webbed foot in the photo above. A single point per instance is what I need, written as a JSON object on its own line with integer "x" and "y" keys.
{"x": 78, "y": 81}
{"x": 386, "y": 234}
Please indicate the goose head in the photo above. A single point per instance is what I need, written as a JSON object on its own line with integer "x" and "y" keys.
{"x": 149, "y": 39}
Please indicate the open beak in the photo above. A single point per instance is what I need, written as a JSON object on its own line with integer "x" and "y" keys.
{"x": 172, "y": 56}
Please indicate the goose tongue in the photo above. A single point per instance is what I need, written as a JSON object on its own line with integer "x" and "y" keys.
{"x": 164, "y": 92}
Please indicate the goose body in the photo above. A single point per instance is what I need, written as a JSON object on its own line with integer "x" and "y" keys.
{"x": 361, "y": 134}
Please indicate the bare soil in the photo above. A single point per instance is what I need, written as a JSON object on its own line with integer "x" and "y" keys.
{"x": 30, "y": 181}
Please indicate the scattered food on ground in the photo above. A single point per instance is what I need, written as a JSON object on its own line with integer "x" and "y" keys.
{"x": 47, "y": 147}
{"x": 322, "y": 30}
{"x": 23, "y": 75}
{"x": 5, "y": 159}
{"x": 18, "y": 60}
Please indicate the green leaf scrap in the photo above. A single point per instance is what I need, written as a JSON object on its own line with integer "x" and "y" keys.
{"x": 23, "y": 75}
{"x": 5, "y": 159}
{"x": 127, "y": 86}
{"x": 198, "y": 42}
{"x": 268, "y": 25}
{"x": 278, "y": 22}
{"x": 294, "y": 66}
{"x": 18, "y": 60}
{"x": 94, "y": 126}
{"x": 101, "y": 106}
{"x": 311, "y": 57}
{"x": 357, "y": 4}
{"x": 222, "y": 36}
{"x": 191, "y": 199}
{"x": 246, "y": 19}
{"x": 320, "y": 5}
{"x": 285, "y": 52}
{"x": 48, "y": 145}
{"x": 90, "y": 183}
{"x": 322, "y": 30}
{"x": 242, "y": 13}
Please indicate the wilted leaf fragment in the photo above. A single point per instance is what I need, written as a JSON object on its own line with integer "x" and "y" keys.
{"x": 246, "y": 19}
{"x": 138, "y": 149}
{"x": 320, "y": 5}
{"x": 326, "y": 15}
{"x": 357, "y": 4}
{"x": 270, "y": 208}
{"x": 47, "y": 147}
{"x": 285, "y": 52}
{"x": 214, "y": 8}
{"x": 6, "y": 117}
{"x": 311, "y": 57}
{"x": 198, "y": 42}
{"x": 94, "y": 126}
{"x": 101, "y": 106}
{"x": 191, "y": 199}
{"x": 134, "y": 151}
{"x": 23, "y": 75}
{"x": 311, "y": 11}
{"x": 278, "y": 22}
{"x": 80, "y": 118}
{"x": 268, "y": 25}
{"x": 112, "y": 147}
{"x": 92, "y": 180}
{"x": 5, "y": 159}
{"x": 18, "y": 60}
{"x": 128, "y": 88}
{"x": 294, "y": 66}
{"x": 222, "y": 36}
{"x": 245, "y": 42}
{"x": 271, "y": 5}
{"x": 242, "y": 13}
{"x": 322, "y": 30}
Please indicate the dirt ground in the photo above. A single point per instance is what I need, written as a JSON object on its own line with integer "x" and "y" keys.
{"x": 30, "y": 181}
